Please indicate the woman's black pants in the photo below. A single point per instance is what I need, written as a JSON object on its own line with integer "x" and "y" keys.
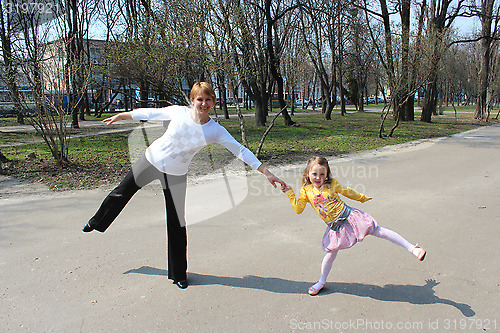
{"x": 174, "y": 191}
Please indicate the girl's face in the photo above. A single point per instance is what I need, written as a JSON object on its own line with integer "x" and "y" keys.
{"x": 317, "y": 175}
{"x": 203, "y": 103}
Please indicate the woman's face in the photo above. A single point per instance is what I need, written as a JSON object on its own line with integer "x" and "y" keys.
{"x": 203, "y": 103}
{"x": 317, "y": 175}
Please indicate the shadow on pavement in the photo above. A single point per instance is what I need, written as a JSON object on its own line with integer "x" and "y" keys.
{"x": 412, "y": 294}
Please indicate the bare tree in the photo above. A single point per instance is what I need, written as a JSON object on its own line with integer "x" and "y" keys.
{"x": 403, "y": 55}
{"x": 296, "y": 68}
{"x": 322, "y": 28}
{"x": 490, "y": 20}
{"x": 162, "y": 46}
{"x": 398, "y": 78}
{"x": 275, "y": 40}
{"x": 442, "y": 16}
{"x": 222, "y": 52}
{"x": 109, "y": 14}
{"x": 78, "y": 15}
{"x": 46, "y": 66}
{"x": 10, "y": 69}
{"x": 245, "y": 27}
{"x": 456, "y": 75}
{"x": 360, "y": 57}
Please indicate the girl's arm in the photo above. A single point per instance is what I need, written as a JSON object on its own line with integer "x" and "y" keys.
{"x": 349, "y": 192}
{"x": 299, "y": 204}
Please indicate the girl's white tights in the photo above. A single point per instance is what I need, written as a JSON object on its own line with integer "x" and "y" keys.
{"x": 393, "y": 237}
{"x": 380, "y": 232}
{"x": 326, "y": 266}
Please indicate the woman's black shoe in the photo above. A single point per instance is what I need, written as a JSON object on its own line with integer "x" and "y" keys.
{"x": 181, "y": 284}
{"x": 87, "y": 228}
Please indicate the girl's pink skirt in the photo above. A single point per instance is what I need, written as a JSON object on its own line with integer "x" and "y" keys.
{"x": 358, "y": 225}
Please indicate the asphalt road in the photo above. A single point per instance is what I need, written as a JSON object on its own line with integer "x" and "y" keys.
{"x": 250, "y": 266}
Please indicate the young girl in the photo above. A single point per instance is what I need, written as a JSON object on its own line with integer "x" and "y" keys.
{"x": 167, "y": 159}
{"x": 345, "y": 225}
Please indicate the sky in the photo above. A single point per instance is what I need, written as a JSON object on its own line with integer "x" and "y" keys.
{"x": 465, "y": 26}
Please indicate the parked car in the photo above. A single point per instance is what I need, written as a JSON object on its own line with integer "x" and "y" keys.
{"x": 151, "y": 103}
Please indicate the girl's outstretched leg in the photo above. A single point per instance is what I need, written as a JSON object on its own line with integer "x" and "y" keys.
{"x": 326, "y": 266}
{"x": 397, "y": 239}
{"x": 393, "y": 237}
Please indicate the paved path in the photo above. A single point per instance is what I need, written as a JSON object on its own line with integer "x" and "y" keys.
{"x": 250, "y": 267}
{"x": 123, "y": 126}
{"x": 30, "y": 128}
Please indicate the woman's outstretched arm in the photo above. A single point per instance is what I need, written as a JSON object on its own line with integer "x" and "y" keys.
{"x": 118, "y": 117}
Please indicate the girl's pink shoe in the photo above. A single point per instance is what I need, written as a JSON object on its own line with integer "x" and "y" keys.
{"x": 316, "y": 288}
{"x": 419, "y": 252}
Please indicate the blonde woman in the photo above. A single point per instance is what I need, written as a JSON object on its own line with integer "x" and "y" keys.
{"x": 167, "y": 159}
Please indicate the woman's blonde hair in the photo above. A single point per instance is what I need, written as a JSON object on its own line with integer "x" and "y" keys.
{"x": 203, "y": 87}
{"x": 320, "y": 161}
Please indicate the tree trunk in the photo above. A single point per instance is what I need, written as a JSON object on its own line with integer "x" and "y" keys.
{"x": 10, "y": 69}
{"x": 410, "y": 108}
{"x": 329, "y": 109}
{"x": 361, "y": 103}
{"x": 405, "y": 110}
{"x": 484, "y": 73}
{"x": 274, "y": 64}
{"x": 439, "y": 20}
{"x": 144, "y": 93}
{"x": 430, "y": 102}
{"x": 260, "y": 111}
{"x": 71, "y": 59}
{"x": 221, "y": 84}
{"x": 281, "y": 98}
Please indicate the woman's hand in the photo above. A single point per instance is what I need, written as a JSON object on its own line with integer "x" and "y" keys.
{"x": 110, "y": 120}
{"x": 286, "y": 188}
{"x": 273, "y": 180}
{"x": 117, "y": 117}
{"x": 270, "y": 177}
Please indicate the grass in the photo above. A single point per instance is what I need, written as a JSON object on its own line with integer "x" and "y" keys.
{"x": 101, "y": 159}
{"x": 341, "y": 135}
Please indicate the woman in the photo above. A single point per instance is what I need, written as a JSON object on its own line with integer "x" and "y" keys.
{"x": 167, "y": 159}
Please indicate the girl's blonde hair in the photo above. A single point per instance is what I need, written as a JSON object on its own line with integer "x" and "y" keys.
{"x": 203, "y": 87}
{"x": 320, "y": 161}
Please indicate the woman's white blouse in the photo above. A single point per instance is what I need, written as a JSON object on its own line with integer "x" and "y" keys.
{"x": 173, "y": 151}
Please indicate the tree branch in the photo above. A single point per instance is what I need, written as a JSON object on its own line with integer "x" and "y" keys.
{"x": 261, "y": 143}
{"x": 463, "y": 41}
